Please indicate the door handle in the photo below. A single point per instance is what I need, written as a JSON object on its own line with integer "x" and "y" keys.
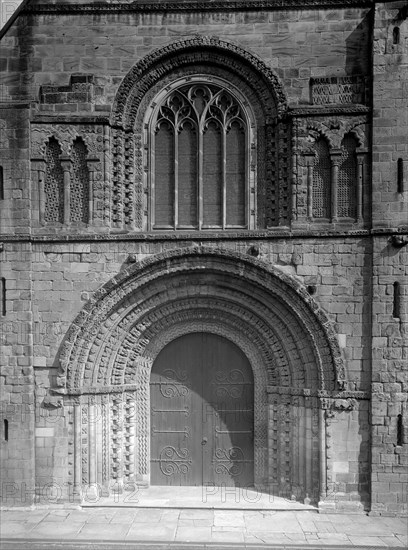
{"x": 204, "y": 441}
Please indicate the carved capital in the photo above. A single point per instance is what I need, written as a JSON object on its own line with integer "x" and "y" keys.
{"x": 38, "y": 164}
{"x": 66, "y": 163}
{"x": 335, "y": 156}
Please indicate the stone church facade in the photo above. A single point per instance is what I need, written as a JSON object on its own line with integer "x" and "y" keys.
{"x": 203, "y": 250}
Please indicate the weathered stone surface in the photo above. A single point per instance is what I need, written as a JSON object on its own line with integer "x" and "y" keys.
{"x": 323, "y": 301}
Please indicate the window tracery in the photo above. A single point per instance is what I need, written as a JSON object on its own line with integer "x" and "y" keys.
{"x": 200, "y": 167}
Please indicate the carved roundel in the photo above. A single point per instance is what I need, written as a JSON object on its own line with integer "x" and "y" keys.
{"x": 116, "y": 327}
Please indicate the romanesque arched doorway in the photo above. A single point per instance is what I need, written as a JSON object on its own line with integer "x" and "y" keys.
{"x": 202, "y": 413}
{"x": 108, "y": 354}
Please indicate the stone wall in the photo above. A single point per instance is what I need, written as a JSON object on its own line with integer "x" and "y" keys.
{"x": 390, "y": 209}
{"x": 65, "y": 64}
{"x": 390, "y": 118}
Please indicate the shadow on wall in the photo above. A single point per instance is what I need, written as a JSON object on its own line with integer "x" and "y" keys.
{"x": 364, "y": 469}
{"x": 358, "y": 50}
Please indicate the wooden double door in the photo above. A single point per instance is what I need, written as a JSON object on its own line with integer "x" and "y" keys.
{"x": 202, "y": 419}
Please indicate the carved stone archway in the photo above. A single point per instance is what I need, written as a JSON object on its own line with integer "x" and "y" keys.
{"x": 107, "y": 355}
{"x": 210, "y": 57}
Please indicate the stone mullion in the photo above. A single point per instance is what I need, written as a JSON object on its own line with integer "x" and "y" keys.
{"x": 66, "y": 165}
{"x": 91, "y": 186}
{"x": 200, "y": 176}
{"x": 335, "y": 159}
{"x": 224, "y": 176}
{"x": 176, "y": 179}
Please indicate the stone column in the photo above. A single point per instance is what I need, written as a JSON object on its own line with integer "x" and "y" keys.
{"x": 92, "y": 450}
{"x": 77, "y": 450}
{"x": 66, "y": 165}
{"x": 91, "y": 164}
{"x": 335, "y": 158}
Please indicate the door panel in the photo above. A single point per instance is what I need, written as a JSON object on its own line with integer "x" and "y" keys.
{"x": 201, "y": 413}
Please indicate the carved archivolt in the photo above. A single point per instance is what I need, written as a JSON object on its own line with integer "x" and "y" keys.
{"x": 201, "y": 49}
{"x": 123, "y": 306}
{"x": 111, "y": 347}
{"x": 212, "y": 59}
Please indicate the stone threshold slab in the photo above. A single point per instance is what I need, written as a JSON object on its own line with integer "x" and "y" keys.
{"x": 215, "y": 498}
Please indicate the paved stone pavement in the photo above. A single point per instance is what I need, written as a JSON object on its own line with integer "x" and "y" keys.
{"x": 155, "y": 528}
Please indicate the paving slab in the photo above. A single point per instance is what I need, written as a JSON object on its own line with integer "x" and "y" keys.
{"x": 392, "y": 542}
{"x": 151, "y": 515}
{"x": 108, "y": 531}
{"x": 149, "y": 532}
{"x": 16, "y": 529}
{"x": 192, "y": 529}
{"x": 227, "y": 536}
{"x": 52, "y": 529}
{"x": 193, "y": 534}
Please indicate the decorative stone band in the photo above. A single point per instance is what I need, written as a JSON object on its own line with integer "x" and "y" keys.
{"x": 284, "y": 390}
{"x": 254, "y": 5}
{"x": 280, "y": 390}
{"x": 195, "y": 50}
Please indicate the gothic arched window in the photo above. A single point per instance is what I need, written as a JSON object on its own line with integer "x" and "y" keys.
{"x": 199, "y": 160}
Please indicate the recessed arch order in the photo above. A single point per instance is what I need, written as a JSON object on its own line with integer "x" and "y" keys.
{"x": 110, "y": 348}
